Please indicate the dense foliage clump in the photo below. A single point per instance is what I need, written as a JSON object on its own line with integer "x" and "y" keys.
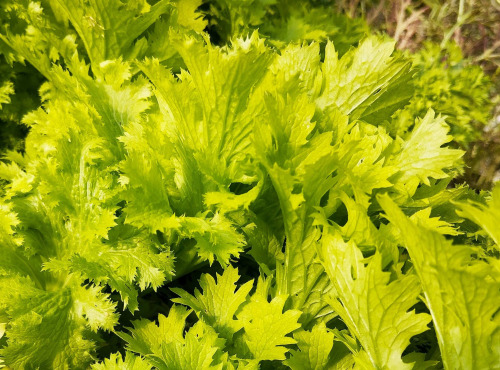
{"x": 239, "y": 184}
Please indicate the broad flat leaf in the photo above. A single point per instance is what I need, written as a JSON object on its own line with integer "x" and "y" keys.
{"x": 188, "y": 15}
{"x": 296, "y": 61}
{"x": 374, "y": 308}
{"x": 314, "y": 349}
{"x": 364, "y": 81}
{"x": 424, "y": 218}
{"x": 461, "y": 293}
{"x": 422, "y": 155}
{"x": 197, "y": 351}
{"x": 218, "y": 302}
{"x": 266, "y": 327}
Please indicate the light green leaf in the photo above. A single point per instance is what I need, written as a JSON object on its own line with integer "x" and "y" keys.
{"x": 422, "y": 155}
{"x": 6, "y": 89}
{"x": 486, "y": 216}
{"x": 423, "y": 217}
{"x": 218, "y": 303}
{"x": 361, "y": 164}
{"x": 314, "y": 349}
{"x": 219, "y": 147}
{"x": 362, "y": 81}
{"x": 120, "y": 265}
{"x": 300, "y": 170}
{"x": 188, "y": 15}
{"x": 146, "y": 337}
{"x": 165, "y": 346}
{"x": 117, "y": 362}
{"x": 215, "y": 238}
{"x": 374, "y": 308}
{"x": 40, "y": 39}
{"x": 47, "y": 329}
{"x": 196, "y": 352}
{"x": 108, "y": 29}
{"x": 266, "y": 327}
{"x": 304, "y": 22}
{"x": 138, "y": 256}
{"x": 461, "y": 293}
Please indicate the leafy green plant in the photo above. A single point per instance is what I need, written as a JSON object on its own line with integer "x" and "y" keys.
{"x": 432, "y": 30}
{"x": 449, "y": 84}
{"x": 181, "y": 204}
{"x": 284, "y": 21}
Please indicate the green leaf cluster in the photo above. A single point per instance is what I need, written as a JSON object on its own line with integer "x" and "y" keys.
{"x": 183, "y": 202}
{"x": 451, "y": 85}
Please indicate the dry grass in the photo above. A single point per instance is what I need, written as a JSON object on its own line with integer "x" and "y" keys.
{"x": 473, "y": 24}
